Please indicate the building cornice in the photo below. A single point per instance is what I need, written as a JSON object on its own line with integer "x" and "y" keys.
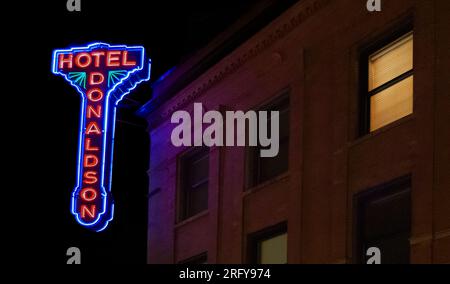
{"x": 234, "y": 61}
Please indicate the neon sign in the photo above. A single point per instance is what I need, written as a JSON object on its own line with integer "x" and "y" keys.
{"x": 103, "y": 74}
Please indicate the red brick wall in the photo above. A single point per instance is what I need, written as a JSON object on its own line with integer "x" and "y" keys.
{"x": 315, "y": 56}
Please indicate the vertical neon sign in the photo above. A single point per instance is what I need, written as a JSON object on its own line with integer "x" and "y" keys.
{"x": 103, "y": 74}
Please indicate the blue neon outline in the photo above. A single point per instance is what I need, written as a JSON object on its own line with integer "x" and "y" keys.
{"x": 79, "y": 78}
{"x": 106, "y": 196}
{"x": 114, "y": 76}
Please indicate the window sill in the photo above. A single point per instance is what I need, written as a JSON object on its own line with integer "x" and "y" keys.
{"x": 381, "y": 130}
{"x": 281, "y": 177}
{"x": 191, "y": 219}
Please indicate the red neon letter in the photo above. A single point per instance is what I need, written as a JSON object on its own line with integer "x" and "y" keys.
{"x": 90, "y": 161}
{"x": 90, "y": 177}
{"x": 88, "y": 146}
{"x": 125, "y": 61}
{"x": 91, "y": 111}
{"x": 87, "y": 62}
{"x": 110, "y": 58}
{"x": 93, "y": 80}
{"x": 93, "y": 98}
{"x": 85, "y": 210}
{"x": 62, "y": 61}
{"x": 90, "y": 191}
{"x": 96, "y": 56}
{"x": 93, "y": 128}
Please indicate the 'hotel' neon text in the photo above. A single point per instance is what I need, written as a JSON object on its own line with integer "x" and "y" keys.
{"x": 103, "y": 75}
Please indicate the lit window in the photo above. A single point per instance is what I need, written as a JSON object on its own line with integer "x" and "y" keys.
{"x": 273, "y": 250}
{"x": 269, "y": 246}
{"x": 390, "y": 83}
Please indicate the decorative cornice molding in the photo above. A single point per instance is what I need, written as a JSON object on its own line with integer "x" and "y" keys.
{"x": 442, "y": 234}
{"x": 428, "y": 238}
{"x": 420, "y": 239}
{"x": 305, "y": 12}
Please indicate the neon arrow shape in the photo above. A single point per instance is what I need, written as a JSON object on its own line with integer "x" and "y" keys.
{"x": 103, "y": 75}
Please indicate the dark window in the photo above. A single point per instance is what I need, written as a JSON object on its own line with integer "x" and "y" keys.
{"x": 198, "y": 259}
{"x": 268, "y": 246}
{"x": 194, "y": 169}
{"x": 262, "y": 169}
{"x": 387, "y": 87}
{"x": 383, "y": 220}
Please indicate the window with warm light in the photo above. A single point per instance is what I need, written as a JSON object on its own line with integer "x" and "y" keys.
{"x": 273, "y": 250}
{"x": 269, "y": 246}
{"x": 390, "y": 83}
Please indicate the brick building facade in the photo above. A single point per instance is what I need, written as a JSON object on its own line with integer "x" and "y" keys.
{"x": 356, "y": 170}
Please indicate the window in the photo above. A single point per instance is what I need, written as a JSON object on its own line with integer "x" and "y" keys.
{"x": 194, "y": 171}
{"x": 262, "y": 169}
{"x": 383, "y": 220}
{"x": 198, "y": 259}
{"x": 389, "y": 74}
{"x": 269, "y": 246}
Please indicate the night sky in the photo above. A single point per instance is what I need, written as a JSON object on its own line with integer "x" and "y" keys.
{"x": 46, "y": 162}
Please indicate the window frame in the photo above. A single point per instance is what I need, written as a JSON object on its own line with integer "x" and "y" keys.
{"x": 182, "y": 183}
{"x": 199, "y": 259}
{"x": 254, "y": 239}
{"x": 387, "y": 189}
{"x": 365, "y": 94}
{"x": 253, "y": 168}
